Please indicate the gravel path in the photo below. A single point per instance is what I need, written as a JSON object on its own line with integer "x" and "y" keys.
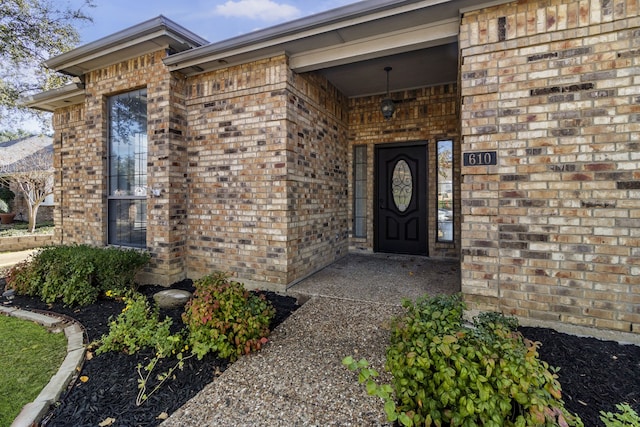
{"x": 298, "y": 379}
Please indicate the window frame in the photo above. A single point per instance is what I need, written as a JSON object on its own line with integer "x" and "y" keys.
{"x": 135, "y": 191}
{"x": 363, "y": 181}
{"x": 446, "y": 185}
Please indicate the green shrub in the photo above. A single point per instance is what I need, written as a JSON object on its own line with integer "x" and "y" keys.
{"x": 4, "y": 206}
{"x": 446, "y": 373}
{"x": 627, "y": 417}
{"x": 138, "y": 326}
{"x": 223, "y": 317}
{"x": 24, "y": 278}
{"x": 78, "y": 274}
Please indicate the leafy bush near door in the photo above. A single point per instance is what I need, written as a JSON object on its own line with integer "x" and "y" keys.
{"x": 224, "y": 318}
{"x": 447, "y": 373}
{"x": 78, "y": 274}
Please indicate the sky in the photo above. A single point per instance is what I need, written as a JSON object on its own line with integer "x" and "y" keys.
{"x": 214, "y": 20}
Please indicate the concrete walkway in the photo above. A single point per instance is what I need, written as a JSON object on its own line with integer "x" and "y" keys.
{"x": 298, "y": 378}
{"x": 7, "y": 259}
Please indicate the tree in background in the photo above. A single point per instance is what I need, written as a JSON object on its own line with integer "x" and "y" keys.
{"x": 32, "y": 31}
{"x": 33, "y": 177}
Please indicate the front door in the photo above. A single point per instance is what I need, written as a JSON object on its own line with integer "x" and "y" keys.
{"x": 401, "y": 194}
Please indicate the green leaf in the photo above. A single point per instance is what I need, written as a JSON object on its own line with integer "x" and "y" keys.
{"x": 390, "y": 410}
{"x": 371, "y": 387}
{"x": 405, "y": 420}
{"x": 349, "y": 363}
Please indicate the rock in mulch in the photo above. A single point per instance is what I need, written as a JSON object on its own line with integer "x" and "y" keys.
{"x": 172, "y": 298}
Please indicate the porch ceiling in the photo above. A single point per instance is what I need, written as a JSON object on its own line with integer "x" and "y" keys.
{"x": 425, "y": 67}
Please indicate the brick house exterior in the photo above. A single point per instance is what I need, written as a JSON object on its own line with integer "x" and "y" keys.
{"x": 255, "y": 146}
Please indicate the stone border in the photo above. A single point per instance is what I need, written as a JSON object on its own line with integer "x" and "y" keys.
{"x": 32, "y": 413}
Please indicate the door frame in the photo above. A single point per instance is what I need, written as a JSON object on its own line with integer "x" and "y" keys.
{"x": 376, "y": 176}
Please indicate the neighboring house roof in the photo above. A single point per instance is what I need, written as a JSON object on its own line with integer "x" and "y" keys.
{"x": 19, "y": 149}
{"x": 350, "y": 45}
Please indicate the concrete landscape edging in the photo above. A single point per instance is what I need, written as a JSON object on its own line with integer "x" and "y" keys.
{"x": 32, "y": 413}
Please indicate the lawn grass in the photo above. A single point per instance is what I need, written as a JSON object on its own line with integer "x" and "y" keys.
{"x": 29, "y": 357}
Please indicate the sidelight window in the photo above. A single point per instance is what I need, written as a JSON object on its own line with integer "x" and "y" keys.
{"x": 445, "y": 190}
{"x": 360, "y": 191}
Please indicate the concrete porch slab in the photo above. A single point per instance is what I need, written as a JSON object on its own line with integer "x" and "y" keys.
{"x": 381, "y": 278}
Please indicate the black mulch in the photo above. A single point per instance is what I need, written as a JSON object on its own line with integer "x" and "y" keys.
{"x": 112, "y": 385}
{"x": 595, "y": 375}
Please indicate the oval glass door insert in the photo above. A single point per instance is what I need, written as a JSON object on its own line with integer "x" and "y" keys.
{"x": 401, "y": 185}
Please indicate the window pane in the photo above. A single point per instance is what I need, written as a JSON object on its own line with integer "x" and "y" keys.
{"x": 128, "y": 222}
{"x": 128, "y": 168}
{"x": 445, "y": 191}
{"x": 360, "y": 191}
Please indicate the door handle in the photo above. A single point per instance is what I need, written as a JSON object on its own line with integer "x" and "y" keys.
{"x": 381, "y": 203}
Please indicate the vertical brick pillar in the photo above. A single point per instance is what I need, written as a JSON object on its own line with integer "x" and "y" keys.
{"x": 166, "y": 179}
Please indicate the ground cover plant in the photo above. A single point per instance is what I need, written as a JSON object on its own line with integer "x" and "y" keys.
{"x": 29, "y": 356}
{"x": 448, "y": 373}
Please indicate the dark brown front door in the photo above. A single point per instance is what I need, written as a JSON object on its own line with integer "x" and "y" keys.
{"x": 401, "y": 194}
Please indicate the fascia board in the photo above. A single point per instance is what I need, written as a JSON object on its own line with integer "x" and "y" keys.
{"x": 45, "y": 100}
{"x": 113, "y": 49}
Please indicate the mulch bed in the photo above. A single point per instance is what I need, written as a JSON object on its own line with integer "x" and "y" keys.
{"x": 595, "y": 375}
{"x": 112, "y": 385}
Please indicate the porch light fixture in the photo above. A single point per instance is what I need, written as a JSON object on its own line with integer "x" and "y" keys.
{"x": 387, "y": 106}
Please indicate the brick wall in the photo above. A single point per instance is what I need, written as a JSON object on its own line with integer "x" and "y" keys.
{"x": 267, "y": 173}
{"x": 318, "y": 174}
{"x": 69, "y": 192}
{"x": 237, "y": 172}
{"x": 20, "y": 206}
{"x": 552, "y": 232}
{"x": 80, "y": 157}
{"x": 426, "y": 114}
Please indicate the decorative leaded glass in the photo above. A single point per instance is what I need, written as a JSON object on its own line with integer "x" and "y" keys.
{"x": 402, "y": 185}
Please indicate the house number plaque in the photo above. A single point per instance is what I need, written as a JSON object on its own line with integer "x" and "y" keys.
{"x": 480, "y": 158}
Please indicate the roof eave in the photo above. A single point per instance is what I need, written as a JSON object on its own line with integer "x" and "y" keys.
{"x": 161, "y": 29}
{"x": 51, "y": 100}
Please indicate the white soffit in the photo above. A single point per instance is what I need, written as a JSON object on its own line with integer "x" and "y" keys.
{"x": 424, "y": 36}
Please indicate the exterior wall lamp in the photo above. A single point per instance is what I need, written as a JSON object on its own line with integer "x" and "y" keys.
{"x": 387, "y": 106}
